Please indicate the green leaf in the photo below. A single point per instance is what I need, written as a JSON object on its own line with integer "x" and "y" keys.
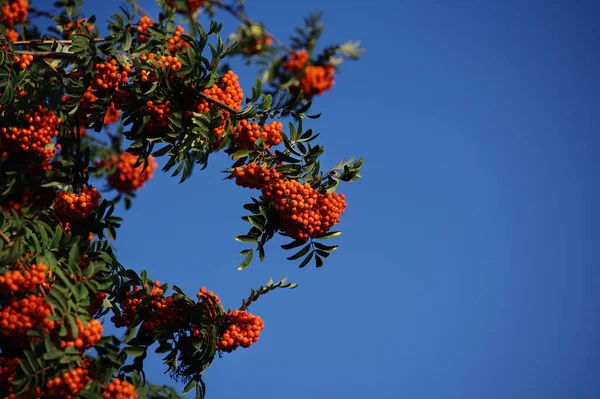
{"x": 306, "y": 260}
{"x": 190, "y": 385}
{"x": 246, "y": 238}
{"x": 300, "y": 253}
{"x": 295, "y": 244}
{"x": 246, "y": 261}
{"x": 134, "y": 351}
{"x": 329, "y": 235}
{"x": 240, "y": 154}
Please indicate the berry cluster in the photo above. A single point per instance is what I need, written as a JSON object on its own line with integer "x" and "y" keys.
{"x": 127, "y": 178}
{"x": 16, "y": 281}
{"x": 23, "y": 61}
{"x": 8, "y": 370}
{"x": 303, "y": 211}
{"x": 202, "y": 295}
{"x": 227, "y": 91}
{"x": 176, "y": 43}
{"x": 97, "y": 300}
{"x": 21, "y": 315}
{"x": 68, "y": 385}
{"x": 317, "y": 79}
{"x": 159, "y": 116}
{"x": 142, "y": 28}
{"x": 243, "y": 329}
{"x": 86, "y": 338}
{"x": 261, "y": 44}
{"x": 42, "y": 127}
{"x": 109, "y": 76}
{"x": 255, "y": 176}
{"x": 159, "y": 310}
{"x": 169, "y": 63}
{"x": 248, "y": 133}
{"x": 112, "y": 115}
{"x": 12, "y": 35}
{"x": 119, "y": 389}
{"x": 14, "y": 12}
{"x": 296, "y": 62}
{"x": 71, "y": 206}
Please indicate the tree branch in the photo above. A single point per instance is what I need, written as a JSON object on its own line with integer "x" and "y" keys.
{"x": 4, "y": 238}
{"x": 51, "y": 41}
{"x": 218, "y": 103}
{"x": 48, "y": 54}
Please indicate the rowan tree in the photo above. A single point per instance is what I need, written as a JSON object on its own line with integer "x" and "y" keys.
{"x": 85, "y": 117}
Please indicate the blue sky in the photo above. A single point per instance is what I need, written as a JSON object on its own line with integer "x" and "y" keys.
{"x": 468, "y": 267}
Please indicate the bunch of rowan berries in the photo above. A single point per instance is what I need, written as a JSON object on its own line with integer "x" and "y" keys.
{"x": 96, "y": 302}
{"x": 248, "y": 133}
{"x": 119, "y": 389}
{"x": 109, "y": 76}
{"x": 303, "y": 211}
{"x": 159, "y": 116}
{"x": 12, "y": 35}
{"x": 14, "y": 12}
{"x": 228, "y": 92}
{"x": 23, "y": 60}
{"x": 317, "y": 79}
{"x": 71, "y": 206}
{"x": 127, "y": 178}
{"x": 176, "y": 42}
{"x": 17, "y": 281}
{"x": 243, "y": 329}
{"x": 169, "y": 63}
{"x": 42, "y": 127}
{"x": 142, "y": 28}
{"x": 24, "y": 314}
{"x": 112, "y": 115}
{"x": 314, "y": 79}
{"x": 68, "y": 385}
{"x": 86, "y": 338}
{"x": 255, "y": 176}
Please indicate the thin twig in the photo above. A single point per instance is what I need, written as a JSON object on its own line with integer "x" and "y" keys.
{"x": 217, "y": 102}
{"x": 48, "y": 54}
{"x": 229, "y": 8}
{"x": 4, "y": 238}
{"x": 51, "y": 41}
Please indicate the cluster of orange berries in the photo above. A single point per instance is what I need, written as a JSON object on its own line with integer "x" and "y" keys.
{"x": 21, "y": 315}
{"x": 255, "y": 176}
{"x": 14, "y": 12}
{"x": 227, "y": 91}
{"x": 8, "y": 370}
{"x": 169, "y": 63}
{"x": 303, "y": 211}
{"x": 127, "y": 178}
{"x": 248, "y": 133}
{"x": 243, "y": 329}
{"x": 42, "y": 128}
{"x": 87, "y": 337}
{"x": 296, "y": 62}
{"x": 112, "y": 115}
{"x": 176, "y": 43}
{"x": 119, "y": 389}
{"x": 142, "y": 28}
{"x": 204, "y": 294}
{"x": 16, "y": 281}
{"x": 317, "y": 79}
{"x": 23, "y": 61}
{"x": 159, "y": 116}
{"x": 68, "y": 385}
{"x": 12, "y": 35}
{"x": 160, "y": 310}
{"x": 96, "y": 301}
{"x": 71, "y": 206}
{"x": 109, "y": 76}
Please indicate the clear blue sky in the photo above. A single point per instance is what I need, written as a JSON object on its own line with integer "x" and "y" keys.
{"x": 468, "y": 267}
